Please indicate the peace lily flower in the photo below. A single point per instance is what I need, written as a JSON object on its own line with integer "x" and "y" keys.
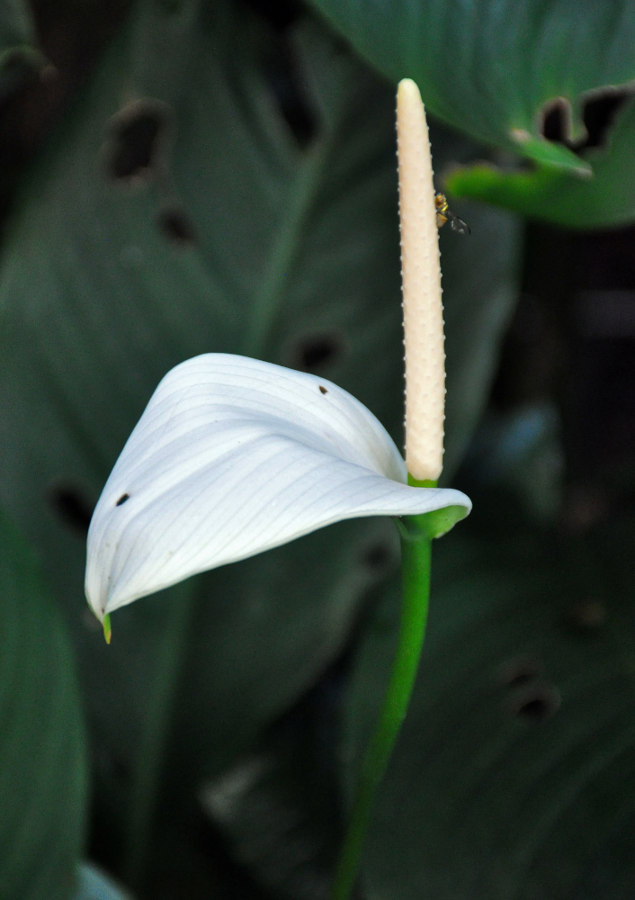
{"x": 234, "y": 456}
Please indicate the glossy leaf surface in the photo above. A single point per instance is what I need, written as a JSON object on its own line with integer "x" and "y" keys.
{"x": 523, "y": 714}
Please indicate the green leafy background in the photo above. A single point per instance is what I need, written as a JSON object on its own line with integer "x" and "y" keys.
{"x": 520, "y": 737}
{"x": 224, "y": 180}
{"x": 493, "y": 70}
{"x": 43, "y": 766}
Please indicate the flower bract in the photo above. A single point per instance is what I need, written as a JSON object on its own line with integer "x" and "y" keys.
{"x": 233, "y": 456}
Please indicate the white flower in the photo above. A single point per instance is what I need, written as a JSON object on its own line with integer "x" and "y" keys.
{"x": 234, "y": 456}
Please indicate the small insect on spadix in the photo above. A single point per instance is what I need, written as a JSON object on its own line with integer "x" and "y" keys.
{"x": 445, "y": 214}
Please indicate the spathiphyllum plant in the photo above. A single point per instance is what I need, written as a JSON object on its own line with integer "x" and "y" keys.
{"x": 234, "y": 456}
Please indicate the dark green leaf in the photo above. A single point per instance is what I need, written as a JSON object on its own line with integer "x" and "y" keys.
{"x": 42, "y": 766}
{"x": 18, "y": 51}
{"x": 278, "y": 807}
{"x": 16, "y": 26}
{"x": 489, "y": 69}
{"x": 604, "y": 199}
{"x": 497, "y": 70}
{"x": 513, "y": 774}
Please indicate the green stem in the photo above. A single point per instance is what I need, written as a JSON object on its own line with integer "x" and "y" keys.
{"x": 415, "y": 561}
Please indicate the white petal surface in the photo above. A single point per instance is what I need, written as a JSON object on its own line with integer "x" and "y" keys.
{"x": 231, "y": 457}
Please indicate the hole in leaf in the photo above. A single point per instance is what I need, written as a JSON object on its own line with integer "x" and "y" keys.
{"x": 293, "y": 104}
{"x": 136, "y": 138}
{"x": 598, "y": 114}
{"x": 176, "y": 225}
{"x": 279, "y": 13}
{"x": 537, "y": 703}
{"x": 317, "y": 351}
{"x": 122, "y": 499}
{"x": 71, "y": 506}
{"x": 286, "y": 81}
{"x": 519, "y": 671}
{"x": 556, "y": 121}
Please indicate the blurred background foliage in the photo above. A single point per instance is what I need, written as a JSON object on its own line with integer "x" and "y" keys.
{"x": 182, "y": 176}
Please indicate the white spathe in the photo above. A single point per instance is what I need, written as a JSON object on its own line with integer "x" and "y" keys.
{"x": 234, "y": 456}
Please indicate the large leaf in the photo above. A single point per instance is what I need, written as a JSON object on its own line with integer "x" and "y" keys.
{"x": 18, "y": 51}
{"x": 495, "y": 70}
{"x": 16, "y": 26}
{"x": 42, "y": 766}
{"x": 488, "y": 69}
{"x": 178, "y": 212}
{"x": 608, "y": 198}
{"x": 513, "y": 775}
{"x": 278, "y": 807}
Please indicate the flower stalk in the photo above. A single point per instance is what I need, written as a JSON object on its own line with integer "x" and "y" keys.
{"x": 425, "y": 404}
{"x": 415, "y": 562}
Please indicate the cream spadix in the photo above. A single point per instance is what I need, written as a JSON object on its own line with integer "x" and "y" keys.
{"x": 233, "y": 456}
{"x": 421, "y": 285}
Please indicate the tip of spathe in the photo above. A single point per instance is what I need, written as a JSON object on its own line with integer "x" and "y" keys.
{"x": 107, "y": 628}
